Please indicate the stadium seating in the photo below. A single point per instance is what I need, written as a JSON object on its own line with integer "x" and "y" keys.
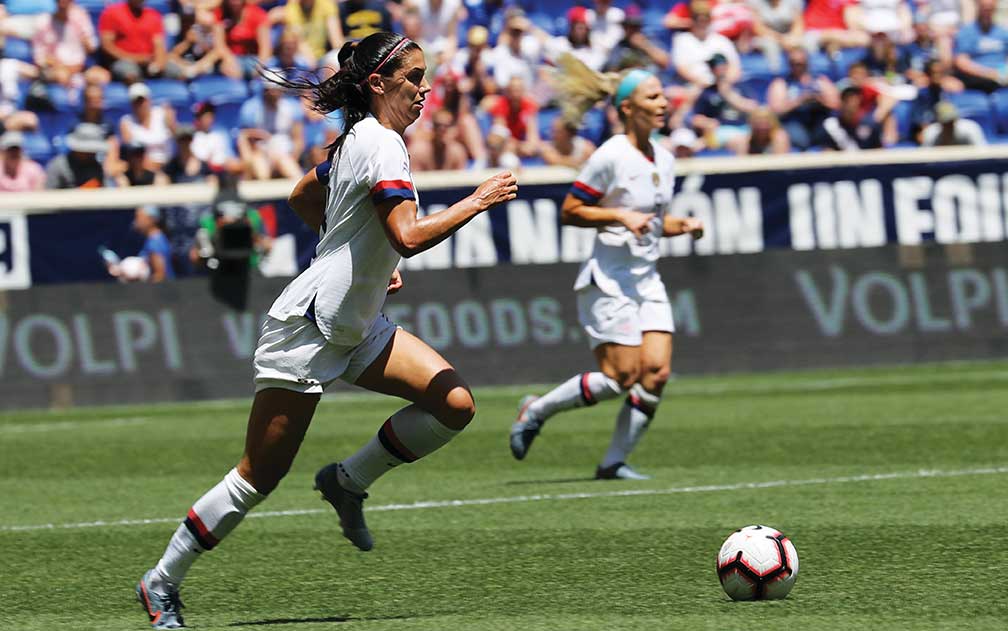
{"x": 218, "y": 90}
{"x": 169, "y": 91}
{"x": 17, "y": 48}
{"x": 975, "y": 106}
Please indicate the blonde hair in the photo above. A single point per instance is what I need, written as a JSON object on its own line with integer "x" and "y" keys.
{"x": 579, "y": 87}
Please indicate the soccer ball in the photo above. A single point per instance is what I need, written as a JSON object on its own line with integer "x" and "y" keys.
{"x": 757, "y": 563}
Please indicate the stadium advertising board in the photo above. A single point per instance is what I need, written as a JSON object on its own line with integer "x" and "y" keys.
{"x": 800, "y": 209}
{"x": 780, "y": 309}
{"x": 14, "y": 252}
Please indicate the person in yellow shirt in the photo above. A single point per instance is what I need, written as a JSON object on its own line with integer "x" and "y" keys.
{"x": 317, "y": 22}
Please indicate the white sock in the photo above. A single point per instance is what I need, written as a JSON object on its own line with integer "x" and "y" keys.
{"x": 633, "y": 420}
{"x": 210, "y": 519}
{"x": 588, "y": 388}
{"x": 408, "y": 435}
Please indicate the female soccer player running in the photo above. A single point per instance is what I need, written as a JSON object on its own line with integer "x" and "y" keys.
{"x": 625, "y": 192}
{"x": 327, "y": 325}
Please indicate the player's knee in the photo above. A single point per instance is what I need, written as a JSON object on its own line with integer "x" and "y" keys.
{"x": 458, "y": 408}
{"x": 653, "y": 378}
{"x": 626, "y": 377}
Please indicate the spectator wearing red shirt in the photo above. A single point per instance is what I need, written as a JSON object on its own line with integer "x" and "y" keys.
{"x": 248, "y": 33}
{"x": 519, "y": 113}
{"x": 833, "y": 24}
{"x": 133, "y": 42}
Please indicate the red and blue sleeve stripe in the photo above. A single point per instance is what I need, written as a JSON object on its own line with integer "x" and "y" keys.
{"x": 585, "y": 193}
{"x": 387, "y": 189}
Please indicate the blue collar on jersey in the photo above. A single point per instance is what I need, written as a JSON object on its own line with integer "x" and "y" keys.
{"x": 629, "y": 83}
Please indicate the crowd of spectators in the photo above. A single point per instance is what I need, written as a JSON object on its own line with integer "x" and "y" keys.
{"x": 146, "y": 92}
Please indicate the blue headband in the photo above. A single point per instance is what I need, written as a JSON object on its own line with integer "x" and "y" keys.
{"x": 629, "y": 84}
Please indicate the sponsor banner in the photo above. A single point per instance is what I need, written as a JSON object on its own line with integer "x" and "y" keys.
{"x": 110, "y": 343}
{"x": 15, "y": 272}
{"x": 800, "y": 209}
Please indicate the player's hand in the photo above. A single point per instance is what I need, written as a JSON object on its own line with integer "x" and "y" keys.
{"x": 636, "y": 222}
{"x": 500, "y": 188}
{"x": 693, "y": 226}
{"x": 395, "y": 283}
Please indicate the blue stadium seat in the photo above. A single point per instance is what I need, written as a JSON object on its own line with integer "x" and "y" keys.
{"x": 844, "y": 58}
{"x": 168, "y": 90}
{"x": 226, "y": 117}
{"x": 218, "y": 89}
{"x": 551, "y": 24}
{"x": 53, "y": 124}
{"x": 546, "y": 118}
{"x": 757, "y": 66}
{"x": 902, "y": 111}
{"x": 999, "y": 103}
{"x": 60, "y": 98}
{"x": 821, "y": 64}
{"x": 30, "y": 7}
{"x": 755, "y": 88}
{"x": 975, "y": 105}
{"x": 116, "y": 95}
{"x": 16, "y": 48}
{"x": 593, "y": 125}
{"x": 38, "y": 147}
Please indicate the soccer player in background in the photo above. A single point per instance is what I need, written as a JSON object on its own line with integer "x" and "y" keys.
{"x": 327, "y": 324}
{"x": 625, "y": 192}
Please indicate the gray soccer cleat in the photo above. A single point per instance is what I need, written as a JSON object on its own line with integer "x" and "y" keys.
{"x": 619, "y": 471}
{"x": 163, "y": 607}
{"x": 349, "y": 506}
{"x": 525, "y": 429}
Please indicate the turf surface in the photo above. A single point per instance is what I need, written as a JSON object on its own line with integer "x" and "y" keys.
{"x": 922, "y": 548}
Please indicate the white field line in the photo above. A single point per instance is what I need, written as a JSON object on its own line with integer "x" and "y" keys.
{"x": 554, "y": 497}
{"x": 28, "y": 428}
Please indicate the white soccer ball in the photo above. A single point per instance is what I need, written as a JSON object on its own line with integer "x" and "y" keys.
{"x": 757, "y": 563}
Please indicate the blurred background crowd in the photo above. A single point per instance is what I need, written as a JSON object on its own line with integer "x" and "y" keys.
{"x": 149, "y": 92}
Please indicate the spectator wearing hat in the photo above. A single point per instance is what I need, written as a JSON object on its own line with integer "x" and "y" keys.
{"x": 720, "y": 111}
{"x": 443, "y": 152}
{"x": 137, "y": 172}
{"x": 473, "y": 62}
{"x": 565, "y": 147}
{"x": 981, "y": 48}
{"x": 683, "y": 142}
{"x": 61, "y": 44}
{"x": 153, "y": 263}
{"x": 802, "y": 101}
{"x": 19, "y": 173}
{"x": 950, "y": 130}
{"x": 247, "y": 33}
{"x": 202, "y": 48}
{"x": 149, "y": 125}
{"x": 692, "y": 50}
{"x": 133, "y": 42}
{"x": 851, "y": 129}
{"x": 577, "y": 41}
{"x": 518, "y": 53}
{"x": 634, "y": 49}
{"x": 210, "y": 146}
{"x": 271, "y": 136}
{"x": 79, "y": 167}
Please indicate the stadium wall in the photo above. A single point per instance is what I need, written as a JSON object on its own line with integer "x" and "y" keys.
{"x": 864, "y": 282}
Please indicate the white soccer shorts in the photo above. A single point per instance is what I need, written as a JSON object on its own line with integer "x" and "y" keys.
{"x": 619, "y": 319}
{"x": 294, "y": 355}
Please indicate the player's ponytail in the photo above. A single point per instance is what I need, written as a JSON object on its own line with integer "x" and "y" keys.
{"x": 347, "y": 90}
{"x": 580, "y": 88}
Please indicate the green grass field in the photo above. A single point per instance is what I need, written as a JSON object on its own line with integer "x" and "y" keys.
{"x": 892, "y": 483}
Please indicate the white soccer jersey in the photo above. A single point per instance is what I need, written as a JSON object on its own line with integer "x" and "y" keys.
{"x": 344, "y": 288}
{"x": 619, "y": 175}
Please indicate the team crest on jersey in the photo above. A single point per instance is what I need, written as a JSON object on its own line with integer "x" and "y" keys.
{"x": 655, "y": 178}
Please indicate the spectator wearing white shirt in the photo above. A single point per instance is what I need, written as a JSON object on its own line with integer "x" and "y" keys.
{"x": 577, "y": 41}
{"x": 889, "y": 17}
{"x": 440, "y": 22}
{"x": 210, "y": 146}
{"x": 606, "y": 22}
{"x": 517, "y": 53}
{"x": 950, "y": 130}
{"x": 272, "y": 134}
{"x": 149, "y": 125}
{"x": 692, "y": 50}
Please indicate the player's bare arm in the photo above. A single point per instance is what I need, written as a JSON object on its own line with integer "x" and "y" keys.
{"x": 675, "y": 226}
{"x": 411, "y": 235}
{"x": 308, "y": 200}
{"x": 577, "y": 213}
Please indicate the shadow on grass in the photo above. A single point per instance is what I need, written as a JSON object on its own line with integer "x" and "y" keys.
{"x": 553, "y": 481}
{"x": 325, "y": 620}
